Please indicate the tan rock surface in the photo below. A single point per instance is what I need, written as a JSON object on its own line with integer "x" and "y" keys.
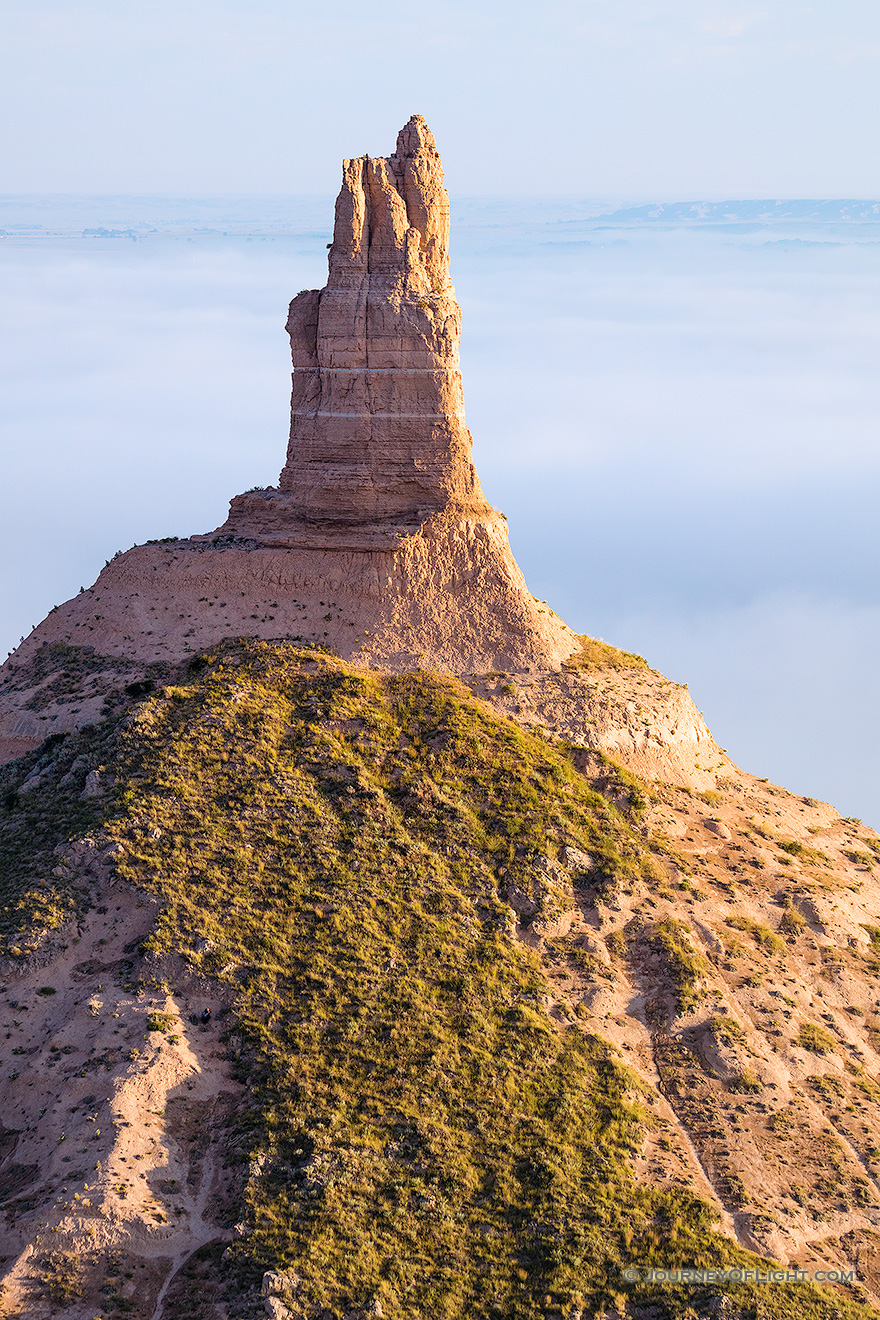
{"x": 378, "y": 440}
{"x": 113, "y": 1131}
{"x": 378, "y": 541}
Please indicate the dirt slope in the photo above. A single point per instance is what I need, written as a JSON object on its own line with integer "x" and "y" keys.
{"x": 114, "y": 1110}
{"x": 729, "y": 958}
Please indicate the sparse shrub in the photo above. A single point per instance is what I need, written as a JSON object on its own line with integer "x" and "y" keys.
{"x": 594, "y": 654}
{"x": 793, "y": 922}
{"x": 727, "y": 1029}
{"x": 687, "y": 968}
{"x": 637, "y": 799}
{"x": 62, "y": 1275}
{"x": 760, "y": 933}
{"x": 802, "y": 851}
{"x": 830, "y": 1088}
{"x": 816, "y": 1039}
{"x": 746, "y": 1083}
{"x": 141, "y": 688}
{"x": 782, "y": 1122}
{"x": 160, "y": 1022}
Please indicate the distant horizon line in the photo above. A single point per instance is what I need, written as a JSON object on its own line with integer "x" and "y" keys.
{"x": 596, "y": 199}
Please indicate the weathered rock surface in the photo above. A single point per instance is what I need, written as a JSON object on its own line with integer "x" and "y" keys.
{"x": 377, "y": 541}
{"x": 378, "y": 441}
{"x": 134, "y": 1160}
{"x": 378, "y": 516}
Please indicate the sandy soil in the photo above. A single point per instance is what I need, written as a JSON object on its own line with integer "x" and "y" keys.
{"x": 112, "y": 1132}
{"x": 784, "y": 1137}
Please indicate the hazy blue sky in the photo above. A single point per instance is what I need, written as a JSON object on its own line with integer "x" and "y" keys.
{"x": 652, "y": 98}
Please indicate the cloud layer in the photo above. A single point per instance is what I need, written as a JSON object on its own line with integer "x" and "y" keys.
{"x": 679, "y": 422}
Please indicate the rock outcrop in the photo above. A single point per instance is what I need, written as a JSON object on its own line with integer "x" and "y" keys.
{"x": 378, "y": 541}
{"x": 378, "y": 531}
{"x": 378, "y": 442}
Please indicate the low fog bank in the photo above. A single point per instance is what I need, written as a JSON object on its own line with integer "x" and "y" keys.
{"x": 678, "y": 419}
{"x": 766, "y": 607}
{"x": 788, "y": 685}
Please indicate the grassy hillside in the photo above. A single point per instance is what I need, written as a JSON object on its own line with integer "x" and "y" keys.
{"x": 335, "y": 848}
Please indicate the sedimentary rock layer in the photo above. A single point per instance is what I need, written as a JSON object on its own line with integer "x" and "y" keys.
{"x": 378, "y": 441}
{"x": 377, "y": 541}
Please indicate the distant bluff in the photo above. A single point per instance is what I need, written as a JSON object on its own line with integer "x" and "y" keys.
{"x": 378, "y": 541}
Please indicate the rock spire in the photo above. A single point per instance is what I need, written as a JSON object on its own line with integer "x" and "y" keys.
{"x": 377, "y": 542}
{"x": 378, "y": 441}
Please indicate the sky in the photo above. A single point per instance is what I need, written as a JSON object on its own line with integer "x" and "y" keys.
{"x": 629, "y": 98}
{"x": 679, "y": 421}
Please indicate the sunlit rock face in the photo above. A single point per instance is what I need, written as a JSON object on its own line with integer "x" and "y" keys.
{"x": 377, "y": 436}
{"x": 377, "y": 541}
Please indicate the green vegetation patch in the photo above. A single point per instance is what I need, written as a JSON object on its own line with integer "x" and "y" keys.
{"x": 831, "y": 1089}
{"x": 161, "y": 1022}
{"x": 41, "y": 804}
{"x": 793, "y": 921}
{"x": 802, "y": 851}
{"x": 761, "y": 934}
{"x": 687, "y": 967}
{"x": 331, "y": 848}
{"x": 746, "y": 1082}
{"x": 727, "y": 1029}
{"x": 429, "y": 1137}
{"x": 816, "y": 1039}
{"x": 861, "y": 858}
{"x": 593, "y": 654}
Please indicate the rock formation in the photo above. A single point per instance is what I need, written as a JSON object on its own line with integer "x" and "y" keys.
{"x": 715, "y": 932}
{"x": 377, "y": 541}
{"x": 378, "y": 442}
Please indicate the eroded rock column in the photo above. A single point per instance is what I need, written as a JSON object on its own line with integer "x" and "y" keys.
{"x": 377, "y": 422}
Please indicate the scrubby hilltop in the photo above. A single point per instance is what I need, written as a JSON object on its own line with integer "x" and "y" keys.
{"x": 481, "y": 1036}
{"x": 372, "y": 945}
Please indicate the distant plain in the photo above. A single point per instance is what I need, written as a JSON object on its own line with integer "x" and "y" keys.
{"x": 678, "y": 414}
